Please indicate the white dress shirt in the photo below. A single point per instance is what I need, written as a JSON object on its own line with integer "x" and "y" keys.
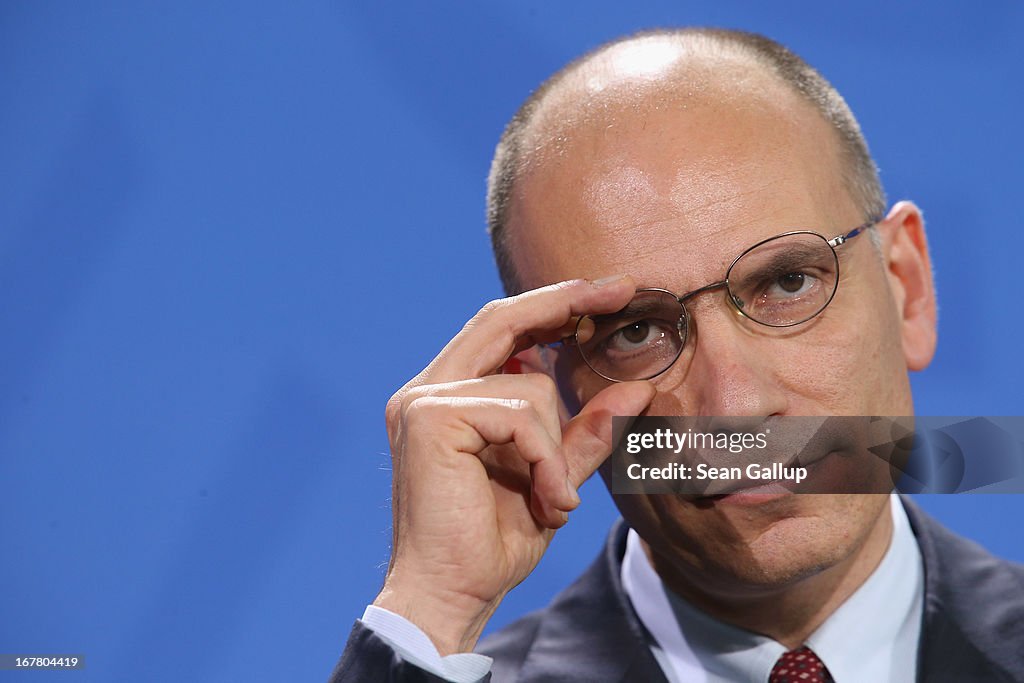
{"x": 871, "y": 637}
{"x": 415, "y": 646}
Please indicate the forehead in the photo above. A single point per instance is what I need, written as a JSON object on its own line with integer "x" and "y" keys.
{"x": 667, "y": 177}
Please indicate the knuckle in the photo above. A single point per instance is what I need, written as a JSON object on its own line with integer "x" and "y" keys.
{"x": 542, "y": 384}
{"x": 418, "y": 410}
{"x": 411, "y": 396}
{"x": 490, "y": 308}
{"x": 544, "y": 390}
{"x": 563, "y": 286}
{"x": 393, "y": 408}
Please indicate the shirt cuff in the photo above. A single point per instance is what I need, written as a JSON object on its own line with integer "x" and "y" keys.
{"x": 415, "y": 647}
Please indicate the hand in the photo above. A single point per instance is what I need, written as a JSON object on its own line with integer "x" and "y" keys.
{"x": 484, "y": 469}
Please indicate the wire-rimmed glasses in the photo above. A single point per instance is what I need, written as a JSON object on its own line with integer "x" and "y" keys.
{"x": 781, "y": 281}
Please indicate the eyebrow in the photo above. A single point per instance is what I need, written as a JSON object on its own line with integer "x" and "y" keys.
{"x": 780, "y": 263}
{"x": 634, "y": 309}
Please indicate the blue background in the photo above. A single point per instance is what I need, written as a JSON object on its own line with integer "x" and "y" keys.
{"x": 229, "y": 233}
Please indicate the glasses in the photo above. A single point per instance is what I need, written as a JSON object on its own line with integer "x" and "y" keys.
{"x": 779, "y": 282}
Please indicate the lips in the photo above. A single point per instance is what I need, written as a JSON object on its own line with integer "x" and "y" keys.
{"x": 762, "y": 492}
{"x": 746, "y": 497}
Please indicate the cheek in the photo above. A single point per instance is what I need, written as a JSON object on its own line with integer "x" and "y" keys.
{"x": 577, "y": 383}
{"x": 825, "y": 375}
{"x": 852, "y": 364}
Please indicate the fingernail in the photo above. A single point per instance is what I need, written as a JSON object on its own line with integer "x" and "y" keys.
{"x": 611, "y": 279}
{"x": 573, "y": 493}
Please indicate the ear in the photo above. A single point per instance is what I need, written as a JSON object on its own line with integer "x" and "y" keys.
{"x": 540, "y": 360}
{"x": 909, "y": 269}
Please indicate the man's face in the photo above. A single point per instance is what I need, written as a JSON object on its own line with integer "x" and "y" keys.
{"x": 670, "y": 190}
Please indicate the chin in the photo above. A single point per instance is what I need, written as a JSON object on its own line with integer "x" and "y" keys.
{"x": 791, "y": 550}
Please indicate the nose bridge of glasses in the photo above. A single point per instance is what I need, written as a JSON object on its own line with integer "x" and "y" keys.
{"x": 686, "y": 300}
{"x": 700, "y": 290}
{"x": 708, "y": 309}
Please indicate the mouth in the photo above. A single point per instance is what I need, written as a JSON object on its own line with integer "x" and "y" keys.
{"x": 758, "y": 494}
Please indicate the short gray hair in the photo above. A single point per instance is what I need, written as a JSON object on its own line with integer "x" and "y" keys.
{"x": 860, "y": 174}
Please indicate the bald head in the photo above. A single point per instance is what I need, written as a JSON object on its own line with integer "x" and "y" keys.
{"x": 695, "y": 73}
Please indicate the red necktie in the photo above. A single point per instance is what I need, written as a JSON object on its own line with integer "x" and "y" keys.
{"x": 800, "y": 666}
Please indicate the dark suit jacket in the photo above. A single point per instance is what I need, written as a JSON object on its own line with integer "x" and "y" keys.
{"x": 973, "y": 627}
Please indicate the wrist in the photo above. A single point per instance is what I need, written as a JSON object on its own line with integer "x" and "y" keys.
{"x": 451, "y": 620}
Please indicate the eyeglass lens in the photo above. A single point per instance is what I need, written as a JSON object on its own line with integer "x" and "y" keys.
{"x": 781, "y": 282}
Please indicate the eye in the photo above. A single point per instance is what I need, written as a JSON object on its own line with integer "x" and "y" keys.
{"x": 785, "y": 280}
{"x": 780, "y": 295}
{"x": 634, "y": 336}
{"x": 791, "y": 283}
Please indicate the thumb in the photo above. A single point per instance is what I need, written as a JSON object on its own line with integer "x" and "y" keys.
{"x": 587, "y": 439}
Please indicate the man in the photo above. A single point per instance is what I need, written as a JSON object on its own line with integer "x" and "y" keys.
{"x": 654, "y": 162}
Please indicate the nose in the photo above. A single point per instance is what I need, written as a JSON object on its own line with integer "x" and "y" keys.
{"x": 732, "y": 370}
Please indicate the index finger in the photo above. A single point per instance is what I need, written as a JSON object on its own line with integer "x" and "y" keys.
{"x": 505, "y": 326}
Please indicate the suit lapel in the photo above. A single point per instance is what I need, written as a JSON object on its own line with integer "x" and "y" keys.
{"x": 973, "y": 622}
{"x": 591, "y": 633}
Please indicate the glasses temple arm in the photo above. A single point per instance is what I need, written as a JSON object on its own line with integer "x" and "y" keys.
{"x": 841, "y": 239}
